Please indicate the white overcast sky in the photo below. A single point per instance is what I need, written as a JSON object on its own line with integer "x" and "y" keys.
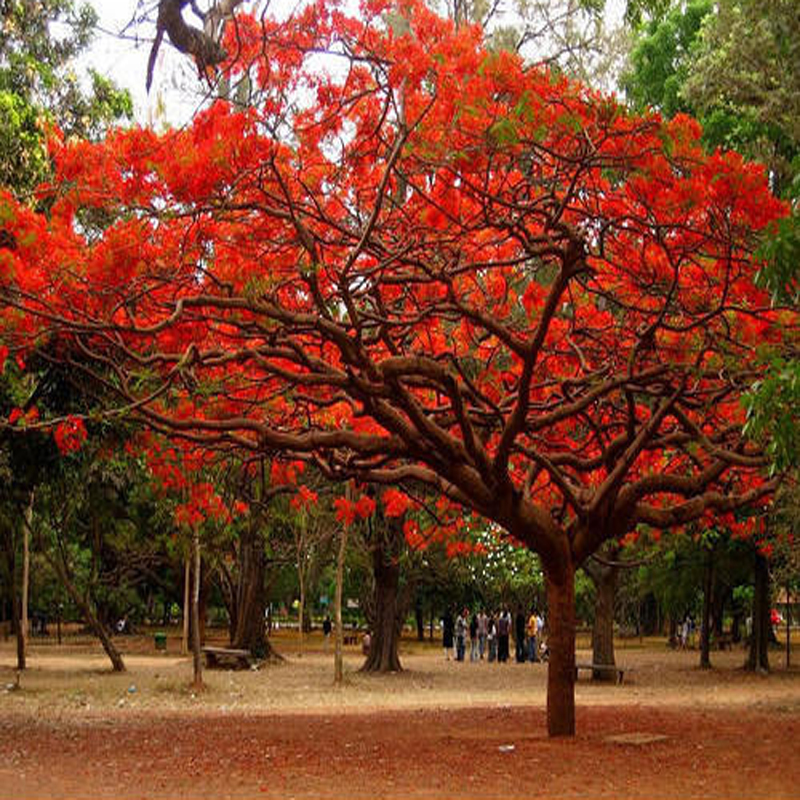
{"x": 117, "y": 54}
{"x": 176, "y": 91}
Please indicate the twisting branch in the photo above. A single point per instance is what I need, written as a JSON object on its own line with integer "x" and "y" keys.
{"x": 203, "y": 45}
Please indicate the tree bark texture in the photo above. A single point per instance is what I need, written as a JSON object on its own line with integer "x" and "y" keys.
{"x": 561, "y": 643}
{"x": 26, "y": 578}
{"x": 604, "y": 578}
{"x": 758, "y": 656}
{"x": 197, "y": 663}
{"x": 10, "y": 567}
{"x": 386, "y": 618}
{"x": 420, "y": 620}
{"x": 250, "y": 604}
{"x": 16, "y": 625}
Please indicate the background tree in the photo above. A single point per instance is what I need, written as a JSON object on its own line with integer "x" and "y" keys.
{"x": 786, "y": 559}
{"x": 736, "y": 66}
{"x": 40, "y": 85}
{"x": 37, "y": 88}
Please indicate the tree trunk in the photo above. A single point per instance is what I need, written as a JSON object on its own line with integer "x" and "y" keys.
{"x": 187, "y": 583}
{"x": 705, "y": 628}
{"x": 300, "y": 611}
{"x": 16, "y": 626}
{"x": 250, "y": 605}
{"x": 338, "y": 665}
{"x": 92, "y": 620}
{"x": 736, "y": 627}
{"x": 383, "y": 655}
{"x": 605, "y": 581}
{"x": 26, "y": 579}
{"x": 561, "y": 643}
{"x": 758, "y": 657}
{"x": 301, "y": 541}
{"x": 197, "y": 680}
{"x": 418, "y": 615}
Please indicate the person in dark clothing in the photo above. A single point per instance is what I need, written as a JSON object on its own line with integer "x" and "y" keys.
{"x": 503, "y": 632}
{"x": 327, "y": 627}
{"x": 519, "y": 635}
{"x": 473, "y": 637}
{"x": 448, "y": 628}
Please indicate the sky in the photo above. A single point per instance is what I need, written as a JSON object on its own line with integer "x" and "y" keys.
{"x": 176, "y": 93}
{"x": 117, "y": 54}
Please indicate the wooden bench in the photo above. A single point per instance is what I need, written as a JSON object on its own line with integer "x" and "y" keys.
{"x": 619, "y": 672}
{"x": 217, "y": 656}
{"x": 350, "y": 638}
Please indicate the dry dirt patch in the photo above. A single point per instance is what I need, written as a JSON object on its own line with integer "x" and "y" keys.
{"x": 438, "y": 729}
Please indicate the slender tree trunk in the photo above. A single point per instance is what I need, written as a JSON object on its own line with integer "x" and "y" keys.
{"x": 16, "y": 626}
{"x": 705, "y": 628}
{"x": 300, "y": 611}
{"x": 228, "y": 589}
{"x": 383, "y": 655}
{"x": 561, "y": 643}
{"x": 758, "y": 656}
{"x": 187, "y": 582}
{"x": 26, "y": 579}
{"x": 420, "y": 621}
{"x": 10, "y": 564}
{"x": 92, "y": 620}
{"x": 736, "y": 627}
{"x": 338, "y": 666}
{"x": 300, "y": 544}
{"x": 197, "y": 681}
{"x": 604, "y": 578}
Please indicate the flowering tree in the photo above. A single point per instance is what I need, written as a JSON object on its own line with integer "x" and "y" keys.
{"x": 421, "y": 265}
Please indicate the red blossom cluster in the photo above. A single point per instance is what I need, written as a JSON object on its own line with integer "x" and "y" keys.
{"x": 70, "y": 435}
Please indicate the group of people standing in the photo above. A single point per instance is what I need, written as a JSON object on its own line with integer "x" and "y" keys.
{"x": 489, "y": 635}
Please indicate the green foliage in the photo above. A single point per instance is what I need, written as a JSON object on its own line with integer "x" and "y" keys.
{"x": 785, "y": 562}
{"x": 772, "y": 412}
{"x": 98, "y": 513}
{"x": 673, "y": 572}
{"x": 661, "y": 59}
{"x": 39, "y": 87}
{"x": 735, "y": 65}
{"x": 24, "y": 161}
{"x": 745, "y": 80}
{"x": 507, "y": 574}
{"x": 637, "y": 11}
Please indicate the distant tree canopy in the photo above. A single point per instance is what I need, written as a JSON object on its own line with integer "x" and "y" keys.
{"x": 40, "y": 86}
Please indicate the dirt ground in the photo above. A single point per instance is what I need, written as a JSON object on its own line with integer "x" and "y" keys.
{"x": 438, "y": 729}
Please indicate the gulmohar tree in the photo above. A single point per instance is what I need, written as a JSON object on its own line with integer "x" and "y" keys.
{"x": 419, "y": 264}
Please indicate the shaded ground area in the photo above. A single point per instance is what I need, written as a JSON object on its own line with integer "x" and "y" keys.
{"x": 437, "y": 730}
